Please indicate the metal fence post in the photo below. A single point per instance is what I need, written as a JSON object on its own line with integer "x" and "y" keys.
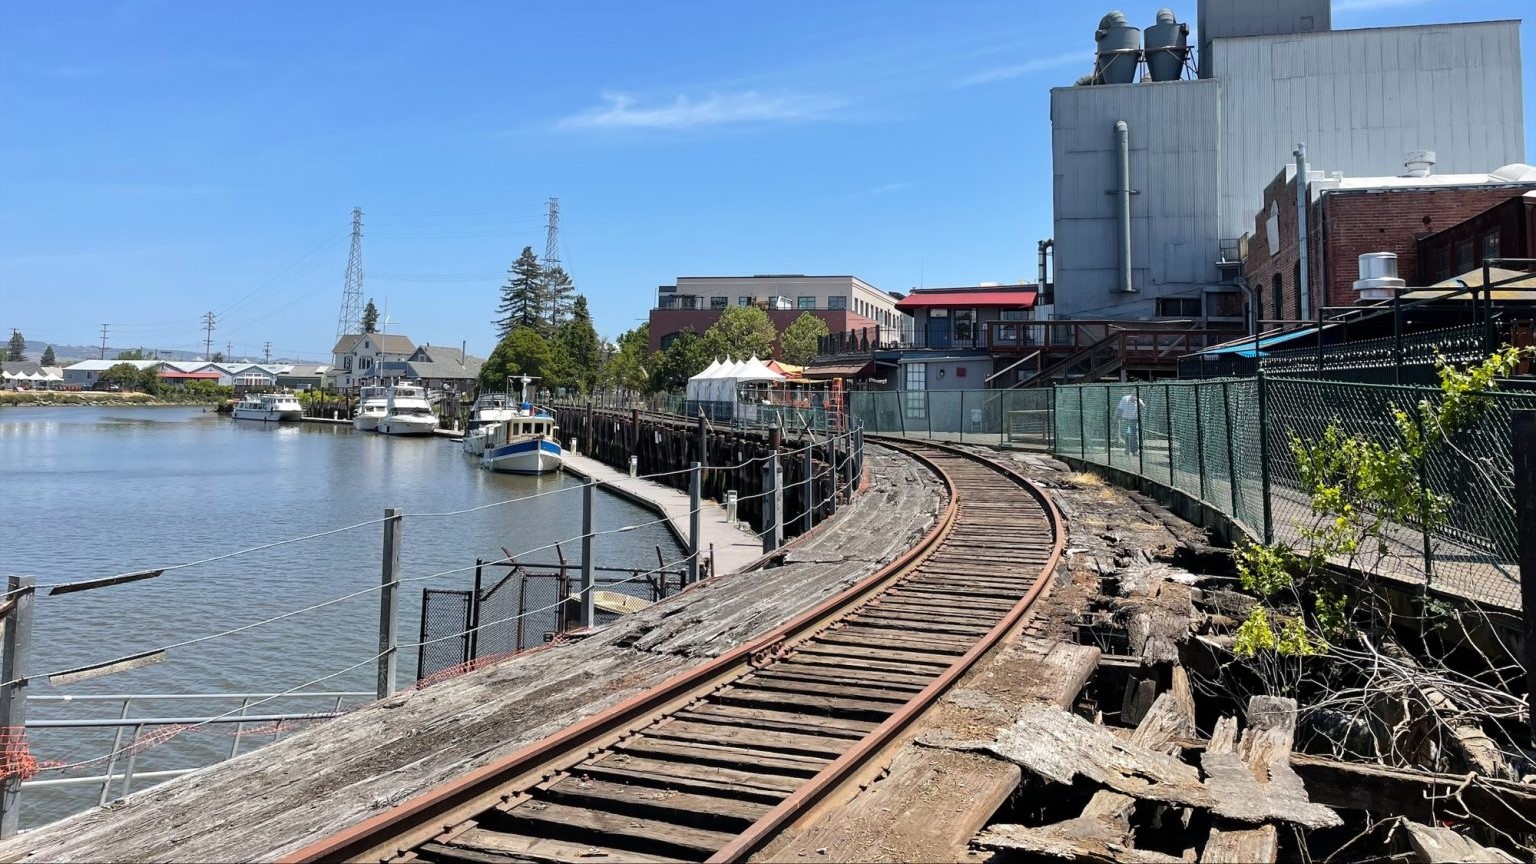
{"x": 808, "y": 465}
{"x": 1269, "y": 528}
{"x": 1109, "y": 425}
{"x": 1168, "y": 417}
{"x": 588, "y": 503}
{"x": 389, "y": 603}
{"x": 694, "y": 508}
{"x": 963, "y": 418}
{"x": 13, "y": 697}
{"x": 928, "y": 409}
{"x": 1082, "y": 425}
{"x": 1226, "y": 413}
{"x": 1522, "y": 433}
{"x": 771, "y": 524}
{"x": 777, "y": 476}
{"x": 1199, "y": 441}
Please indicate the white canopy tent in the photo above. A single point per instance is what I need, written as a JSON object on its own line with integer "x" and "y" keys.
{"x": 699, "y": 385}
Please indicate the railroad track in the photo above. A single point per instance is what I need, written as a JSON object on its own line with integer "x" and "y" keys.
{"x": 712, "y": 763}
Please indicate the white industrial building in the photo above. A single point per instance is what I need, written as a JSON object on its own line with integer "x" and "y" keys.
{"x": 1154, "y": 231}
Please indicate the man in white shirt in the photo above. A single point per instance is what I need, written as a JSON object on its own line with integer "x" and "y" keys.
{"x": 1130, "y": 421}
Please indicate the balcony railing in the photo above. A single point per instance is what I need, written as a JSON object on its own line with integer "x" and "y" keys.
{"x": 1142, "y": 339}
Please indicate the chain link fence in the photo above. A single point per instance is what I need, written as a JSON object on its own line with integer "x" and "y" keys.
{"x": 1016, "y": 418}
{"x": 1227, "y": 443}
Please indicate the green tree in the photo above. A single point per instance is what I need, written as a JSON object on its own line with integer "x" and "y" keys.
{"x": 628, "y": 366}
{"x": 124, "y": 375}
{"x": 583, "y": 350}
{"x": 370, "y": 317}
{"x": 741, "y": 332}
{"x": 135, "y": 354}
{"x": 149, "y": 381}
{"x": 523, "y": 352}
{"x": 48, "y": 359}
{"x": 218, "y": 357}
{"x": 798, "y": 344}
{"x": 686, "y": 357}
{"x": 523, "y": 301}
{"x": 16, "y": 351}
{"x": 560, "y": 295}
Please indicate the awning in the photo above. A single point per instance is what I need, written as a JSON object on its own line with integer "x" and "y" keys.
{"x": 1244, "y": 347}
{"x": 965, "y": 299}
{"x": 840, "y": 370}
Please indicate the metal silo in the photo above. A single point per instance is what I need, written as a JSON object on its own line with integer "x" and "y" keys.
{"x": 1167, "y": 47}
{"x": 1118, "y": 49}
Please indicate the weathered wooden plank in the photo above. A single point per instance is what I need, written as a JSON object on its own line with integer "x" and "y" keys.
{"x": 1058, "y": 676}
{"x": 839, "y": 661}
{"x": 1082, "y": 847}
{"x": 1059, "y": 747}
{"x": 1259, "y": 845}
{"x": 1253, "y": 782}
{"x": 820, "y": 722}
{"x": 789, "y": 764}
{"x": 865, "y": 693}
{"x": 875, "y": 653}
{"x": 674, "y": 774}
{"x": 860, "y": 709}
{"x": 541, "y": 816}
{"x": 671, "y": 805}
{"x": 755, "y": 739}
{"x": 868, "y": 638}
{"x": 834, "y": 674}
{"x": 470, "y": 856}
{"x": 1444, "y": 846}
{"x": 1507, "y": 806}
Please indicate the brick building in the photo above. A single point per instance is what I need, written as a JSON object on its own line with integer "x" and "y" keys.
{"x": 1349, "y": 216}
{"x": 1506, "y": 230}
{"x": 843, "y": 303}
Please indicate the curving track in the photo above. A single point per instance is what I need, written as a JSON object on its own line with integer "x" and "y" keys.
{"x": 710, "y": 764}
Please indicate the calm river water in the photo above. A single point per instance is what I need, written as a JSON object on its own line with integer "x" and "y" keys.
{"x": 89, "y": 492}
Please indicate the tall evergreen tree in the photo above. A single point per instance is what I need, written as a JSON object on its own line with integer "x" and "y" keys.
{"x": 523, "y": 297}
{"x": 584, "y": 351}
{"x": 629, "y": 366}
{"x": 48, "y": 359}
{"x": 16, "y": 351}
{"x": 560, "y": 294}
{"x": 370, "y": 317}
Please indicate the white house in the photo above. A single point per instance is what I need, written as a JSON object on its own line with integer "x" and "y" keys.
{"x": 86, "y": 372}
{"x": 359, "y": 358}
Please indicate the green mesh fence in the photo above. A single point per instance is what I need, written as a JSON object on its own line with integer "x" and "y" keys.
{"x": 1020, "y": 418}
{"x": 1205, "y": 440}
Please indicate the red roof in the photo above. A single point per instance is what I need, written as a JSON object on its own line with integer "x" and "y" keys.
{"x": 189, "y": 376}
{"x": 964, "y": 298}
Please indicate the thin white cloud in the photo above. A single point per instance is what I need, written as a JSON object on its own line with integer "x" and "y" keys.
{"x": 1369, "y": 5}
{"x": 1028, "y": 67}
{"x": 623, "y": 111}
{"x": 888, "y": 187}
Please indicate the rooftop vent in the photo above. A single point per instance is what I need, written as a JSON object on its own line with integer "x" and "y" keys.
{"x": 1418, "y": 162}
{"x": 1378, "y": 276}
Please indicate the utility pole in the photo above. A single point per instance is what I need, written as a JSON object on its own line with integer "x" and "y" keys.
{"x": 104, "y": 340}
{"x": 229, "y": 351}
{"x": 266, "y": 353}
{"x": 351, "y": 318}
{"x": 208, "y": 322}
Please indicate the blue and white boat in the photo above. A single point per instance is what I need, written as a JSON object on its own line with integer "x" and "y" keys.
{"x": 528, "y": 445}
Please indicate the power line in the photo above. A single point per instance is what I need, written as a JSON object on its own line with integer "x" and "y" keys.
{"x": 266, "y": 353}
{"x": 104, "y": 340}
{"x": 351, "y": 318}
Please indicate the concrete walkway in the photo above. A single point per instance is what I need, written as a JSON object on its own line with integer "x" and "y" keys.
{"x": 731, "y": 546}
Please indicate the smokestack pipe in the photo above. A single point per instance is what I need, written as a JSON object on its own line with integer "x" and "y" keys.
{"x": 1123, "y": 193}
{"x": 1044, "y": 245}
{"x": 1301, "y": 230}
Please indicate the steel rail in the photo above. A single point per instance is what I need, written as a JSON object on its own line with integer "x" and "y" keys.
{"x": 506, "y": 781}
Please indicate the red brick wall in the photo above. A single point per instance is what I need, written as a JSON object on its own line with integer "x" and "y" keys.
{"x": 1347, "y": 224}
{"x": 665, "y": 322}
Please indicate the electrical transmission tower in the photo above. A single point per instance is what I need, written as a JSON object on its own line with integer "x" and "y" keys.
{"x": 208, "y": 322}
{"x": 266, "y": 353}
{"x": 552, "y": 236}
{"x": 351, "y": 318}
{"x": 104, "y": 340}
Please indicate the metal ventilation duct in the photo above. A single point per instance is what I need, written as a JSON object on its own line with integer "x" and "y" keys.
{"x": 1167, "y": 47}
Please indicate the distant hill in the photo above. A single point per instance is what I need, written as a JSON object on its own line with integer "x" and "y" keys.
{"x": 67, "y": 354}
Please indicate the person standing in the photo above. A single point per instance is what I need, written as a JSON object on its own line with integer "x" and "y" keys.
{"x": 1130, "y": 423}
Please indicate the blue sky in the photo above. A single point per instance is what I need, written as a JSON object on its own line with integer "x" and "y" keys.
{"x": 159, "y": 160}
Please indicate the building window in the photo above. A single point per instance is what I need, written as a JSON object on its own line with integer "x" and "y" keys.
{"x": 1277, "y": 288}
{"x": 805, "y": 302}
{"x": 1014, "y": 315}
{"x": 743, "y": 301}
{"x": 1464, "y": 260}
{"x": 837, "y": 302}
{"x": 965, "y": 325}
{"x": 718, "y": 303}
{"x": 1491, "y": 245}
{"x": 1178, "y": 307}
{"x": 914, "y": 387}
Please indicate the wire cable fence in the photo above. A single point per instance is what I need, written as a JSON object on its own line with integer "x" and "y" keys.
{"x": 1228, "y": 443}
{"x": 1002, "y": 418}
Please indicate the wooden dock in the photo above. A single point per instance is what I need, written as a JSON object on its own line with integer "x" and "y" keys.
{"x": 727, "y": 546}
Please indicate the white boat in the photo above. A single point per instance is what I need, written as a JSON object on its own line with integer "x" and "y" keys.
{"x": 526, "y": 445}
{"x": 269, "y": 407}
{"x": 372, "y": 405}
{"x": 485, "y": 419}
{"x": 409, "y": 412}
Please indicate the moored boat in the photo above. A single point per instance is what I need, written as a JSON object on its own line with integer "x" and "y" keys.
{"x": 372, "y": 406}
{"x": 485, "y": 419}
{"x": 268, "y": 407}
{"x": 527, "y": 445}
{"x": 408, "y": 413}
